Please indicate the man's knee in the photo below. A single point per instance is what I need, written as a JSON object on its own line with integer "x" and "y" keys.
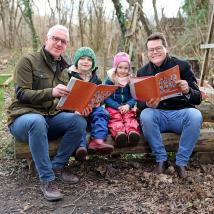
{"x": 146, "y": 116}
{"x": 194, "y": 116}
{"x": 35, "y": 121}
{"x": 81, "y": 123}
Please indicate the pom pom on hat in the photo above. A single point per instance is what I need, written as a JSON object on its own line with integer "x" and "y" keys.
{"x": 121, "y": 57}
{"x": 84, "y": 51}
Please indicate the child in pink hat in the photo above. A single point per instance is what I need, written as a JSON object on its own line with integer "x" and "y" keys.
{"x": 123, "y": 124}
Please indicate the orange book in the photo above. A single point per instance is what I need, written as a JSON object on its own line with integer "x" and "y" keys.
{"x": 84, "y": 94}
{"x": 162, "y": 85}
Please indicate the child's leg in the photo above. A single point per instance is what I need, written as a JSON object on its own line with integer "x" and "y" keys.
{"x": 117, "y": 128}
{"x": 99, "y": 123}
{"x": 130, "y": 121}
{"x": 116, "y": 123}
{"x": 132, "y": 127}
{"x": 99, "y": 131}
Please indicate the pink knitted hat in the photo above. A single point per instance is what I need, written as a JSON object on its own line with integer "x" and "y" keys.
{"x": 121, "y": 57}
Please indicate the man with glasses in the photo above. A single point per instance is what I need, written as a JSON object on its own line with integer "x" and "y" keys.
{"x": 176, "y": 114}
{"x": 40, "y": 80}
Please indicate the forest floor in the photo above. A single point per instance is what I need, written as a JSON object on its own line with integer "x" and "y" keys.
{"x": 107, "y": 185}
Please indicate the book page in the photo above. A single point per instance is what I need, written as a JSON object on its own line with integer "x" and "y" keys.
{"x": 101, "y": 93}
{"x": 143, "y": 89}
{"x": 166, "y": 85}
{"x": 79, "y": 96}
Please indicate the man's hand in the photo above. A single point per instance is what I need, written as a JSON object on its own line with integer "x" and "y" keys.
{"x": 183, "y": 85}
{"x": 60, "y": 91}
{"x": 123, "y": 109}
{"x": 153, "y": 103}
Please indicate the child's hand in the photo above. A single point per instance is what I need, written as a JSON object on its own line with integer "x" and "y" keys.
{"x": 124, "y": 109}
{"x": 87, "y": 111}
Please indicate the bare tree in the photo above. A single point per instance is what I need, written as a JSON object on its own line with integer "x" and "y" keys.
{"x": 99, "y": 20}
{"x": 122, "y": 21}
{"x": 10, "y": 21}
{"x": 156, "y": 15}
{"x": 142, "y": 16}
{"x": 27, "y": 13}
{"x": 80, "y": 13}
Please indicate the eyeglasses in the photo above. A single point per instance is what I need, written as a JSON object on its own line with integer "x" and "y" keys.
{"x": 57, "y": 39}
{"x": 157, "y": 49}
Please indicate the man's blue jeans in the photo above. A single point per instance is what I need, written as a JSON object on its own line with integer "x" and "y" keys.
{"x": 36, "y": 129}
{"x": 186, "y": 122}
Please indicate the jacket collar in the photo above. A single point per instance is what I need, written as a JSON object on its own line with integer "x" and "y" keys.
{"x": 162, "y": 67}
{"x": 50, "y": 59}
{"x": 76, "y": 74}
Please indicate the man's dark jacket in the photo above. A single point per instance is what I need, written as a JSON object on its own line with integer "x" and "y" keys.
{"x": 185, "y": 101}
{"x": 35, "y": 77}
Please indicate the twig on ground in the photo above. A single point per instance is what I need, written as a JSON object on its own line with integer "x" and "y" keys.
{"x": 68, "y": 205}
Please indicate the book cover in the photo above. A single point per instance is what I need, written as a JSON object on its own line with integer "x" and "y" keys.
{"x": 84, "y": 94}
{"x": 162, "y": 85}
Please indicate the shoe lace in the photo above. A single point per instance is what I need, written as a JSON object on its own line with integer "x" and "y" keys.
{"x": 51, "y": 186}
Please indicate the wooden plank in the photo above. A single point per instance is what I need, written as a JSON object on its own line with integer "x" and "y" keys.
{"x": 206, "y": 46}
{"x": 6, "y": 74}
{"x": 206, "y": 54}
{"x": 8, "y": 81}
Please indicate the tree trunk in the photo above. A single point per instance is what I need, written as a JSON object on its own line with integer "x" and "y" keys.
{"x": 81, "y": 22}
{"x": 156, "y": 15}
{"x": 27, "y": 13}
{"x": 122, "y": 22}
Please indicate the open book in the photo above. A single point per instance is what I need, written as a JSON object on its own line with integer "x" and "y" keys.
{"x": 84, "y": 95}
{"x": 162, "y": 85}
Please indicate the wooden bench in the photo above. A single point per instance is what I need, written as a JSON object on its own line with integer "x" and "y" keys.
{"x": 205, "y": 143}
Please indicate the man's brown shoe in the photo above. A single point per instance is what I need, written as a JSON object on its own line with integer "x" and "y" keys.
{"x": 181, "y": 170}
{"x": 50, "y": 191}
{"x": 133, "y": 138}
{"x": 99, "y": 146}
{"x": 161, "y": 167}
{"x": 81, "y": 154}
{"x": 121, "y": 139}
{"x": 65, "y": 177}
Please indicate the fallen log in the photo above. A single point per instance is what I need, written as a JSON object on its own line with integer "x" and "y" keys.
{"x": 171, "y": 140}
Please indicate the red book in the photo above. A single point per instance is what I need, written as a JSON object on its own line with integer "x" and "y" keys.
{"x": 84, "y": 94}
{"x": 162, "y": 85}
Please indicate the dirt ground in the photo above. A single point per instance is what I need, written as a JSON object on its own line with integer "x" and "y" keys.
{"x": 110, "y": 186}
{"x": 107, "y": 185}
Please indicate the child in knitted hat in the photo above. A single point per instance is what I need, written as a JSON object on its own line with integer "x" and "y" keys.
{"x": 123, "y": 124}
{"x": 84, "y": 68}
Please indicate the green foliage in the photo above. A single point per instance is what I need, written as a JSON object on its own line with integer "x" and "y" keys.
{"x": 196, "y": 12}
{"x": 27, "y": 7}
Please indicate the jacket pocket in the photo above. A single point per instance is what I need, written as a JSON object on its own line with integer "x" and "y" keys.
{"x": 41, "y": 80}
